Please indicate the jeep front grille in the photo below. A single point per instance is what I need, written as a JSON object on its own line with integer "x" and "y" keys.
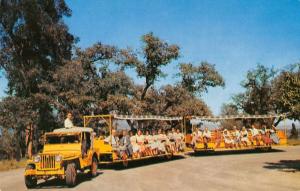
{"x": 47, "y": 162}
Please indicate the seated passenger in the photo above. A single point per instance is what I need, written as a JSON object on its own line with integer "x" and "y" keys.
{"x": 154, "y": 144}
{"x": 244, "y": 137}
{"x": 236, "y": 137}
{"x": 273, "y": 135}
{"x": 161, "y": 140}
{"x": 147, "y": 142}
{"x": 135, "y": 146}
{"x": 125, "y": 146}
{"x": 206, "y": 137}
{"x": 196, "y": 137}
{"x": 167, "y": 142}
{"x": 265, "y": 135}
{"x": 255, "y": 136}
{"x": 179, "y": 141}
{"x": 229, "y": 142}
{"x": 171, "y": 140}
{"x": 113, "y": 140}
{"x": 140, "y": 139}
{"x": 218, "y": 138}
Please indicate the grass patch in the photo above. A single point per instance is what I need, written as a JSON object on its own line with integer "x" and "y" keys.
{"x": 11, "y": 164}
{"x": 293, "y": 142}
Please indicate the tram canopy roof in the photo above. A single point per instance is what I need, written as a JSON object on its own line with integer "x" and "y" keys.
{"x": 199, "y": 119}
{"x": 147, "y": 117}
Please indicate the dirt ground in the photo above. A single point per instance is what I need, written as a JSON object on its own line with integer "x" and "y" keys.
{"x": 276, "y": 170}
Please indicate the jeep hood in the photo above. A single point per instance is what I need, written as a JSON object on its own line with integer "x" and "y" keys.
{"x": 66, "y": 150}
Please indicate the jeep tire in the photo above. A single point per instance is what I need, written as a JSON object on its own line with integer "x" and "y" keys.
{"x": 94, "y": 167}
{"x": 30, "y": 181}
{"x": 71, "y": 175}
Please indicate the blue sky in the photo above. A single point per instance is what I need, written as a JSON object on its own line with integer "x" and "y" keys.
{"x": 234, "y": 35}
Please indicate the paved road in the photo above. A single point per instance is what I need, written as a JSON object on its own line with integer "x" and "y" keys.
{"x": 277, "y": 170}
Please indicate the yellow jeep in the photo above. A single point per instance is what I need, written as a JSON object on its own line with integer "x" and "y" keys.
{"x": 66, "y": 152}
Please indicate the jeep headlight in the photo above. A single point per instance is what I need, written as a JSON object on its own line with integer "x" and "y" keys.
{"x": 58, "y": 158}
{"x": 37, "y": 158}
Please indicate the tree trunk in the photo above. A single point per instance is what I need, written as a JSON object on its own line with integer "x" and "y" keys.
{"x": 29, "y": 136}
{"x": 278, "y": 121}
{"x": 145, "y": 90}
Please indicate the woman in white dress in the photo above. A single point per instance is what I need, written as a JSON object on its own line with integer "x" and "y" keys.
{"x": 244, "y": 137}
{"x": 140, "y": 139}
{"x": 148, "y": 141}
{"x": 229, "y": 142}
{"x": 161, "y": 141}
{"x": 135, "y": 146}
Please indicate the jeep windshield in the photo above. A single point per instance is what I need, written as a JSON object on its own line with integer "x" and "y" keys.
{"x": 62, "y": 139}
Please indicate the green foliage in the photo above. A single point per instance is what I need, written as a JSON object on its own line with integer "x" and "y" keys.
{"x": 33, "y": 42}
{"x": 286, "y": 92}
{"x": 266, "y": 92}
{"x": 257, "y": 98}
{"x": 197, "y": 79}
{"x": 156, "y": 53}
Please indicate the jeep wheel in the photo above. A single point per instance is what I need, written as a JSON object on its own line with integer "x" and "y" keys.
{"x": 30, "y": 181}
{"x": 71, "y": 175}
{"x": 94, "y": 167}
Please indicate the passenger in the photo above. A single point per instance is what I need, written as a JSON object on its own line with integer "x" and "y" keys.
{"x": 125, "y": 146}
{"x": 218, "y": 139}
{"x": 236, "y": 137}
{"x": 273, "y": 135}
{"x": 161, "y": 140}
{"x": 68, "y": 121}
{"x": 168, "y": 143}
{"x": 154, "y": 145}
{"x": 196, "y": 137}
{"x": 265, "y": 135}
{"x": 179, "y": 141}
{"x": 206, "y": 137}
{"x": 171, "y": 139}
{"x": 255, "y": 136}
{"x": 148, "y": 139}
{"x": 151, "y": 145}
{"x": 140, "y": 139}
{"x": 135, "y": 146}
{"x": 229, "y": 142}
{"x": 113, "y": 140}
{"x": 244, "y": 137}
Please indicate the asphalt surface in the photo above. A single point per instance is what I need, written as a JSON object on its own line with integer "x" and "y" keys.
{"x": 275, "y": 170}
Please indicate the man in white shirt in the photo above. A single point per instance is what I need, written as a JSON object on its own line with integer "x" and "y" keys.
{"x": 255, "y": 135}
{"x": 113, "y": 140}
{"x": 68, "y": 121}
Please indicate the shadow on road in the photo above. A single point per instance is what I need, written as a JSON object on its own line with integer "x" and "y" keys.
{"x": 232, "y": 152}
{"x": 59, "y": 184}
{"x": 284, "y": 165}
{"x": 140, "y": 163}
